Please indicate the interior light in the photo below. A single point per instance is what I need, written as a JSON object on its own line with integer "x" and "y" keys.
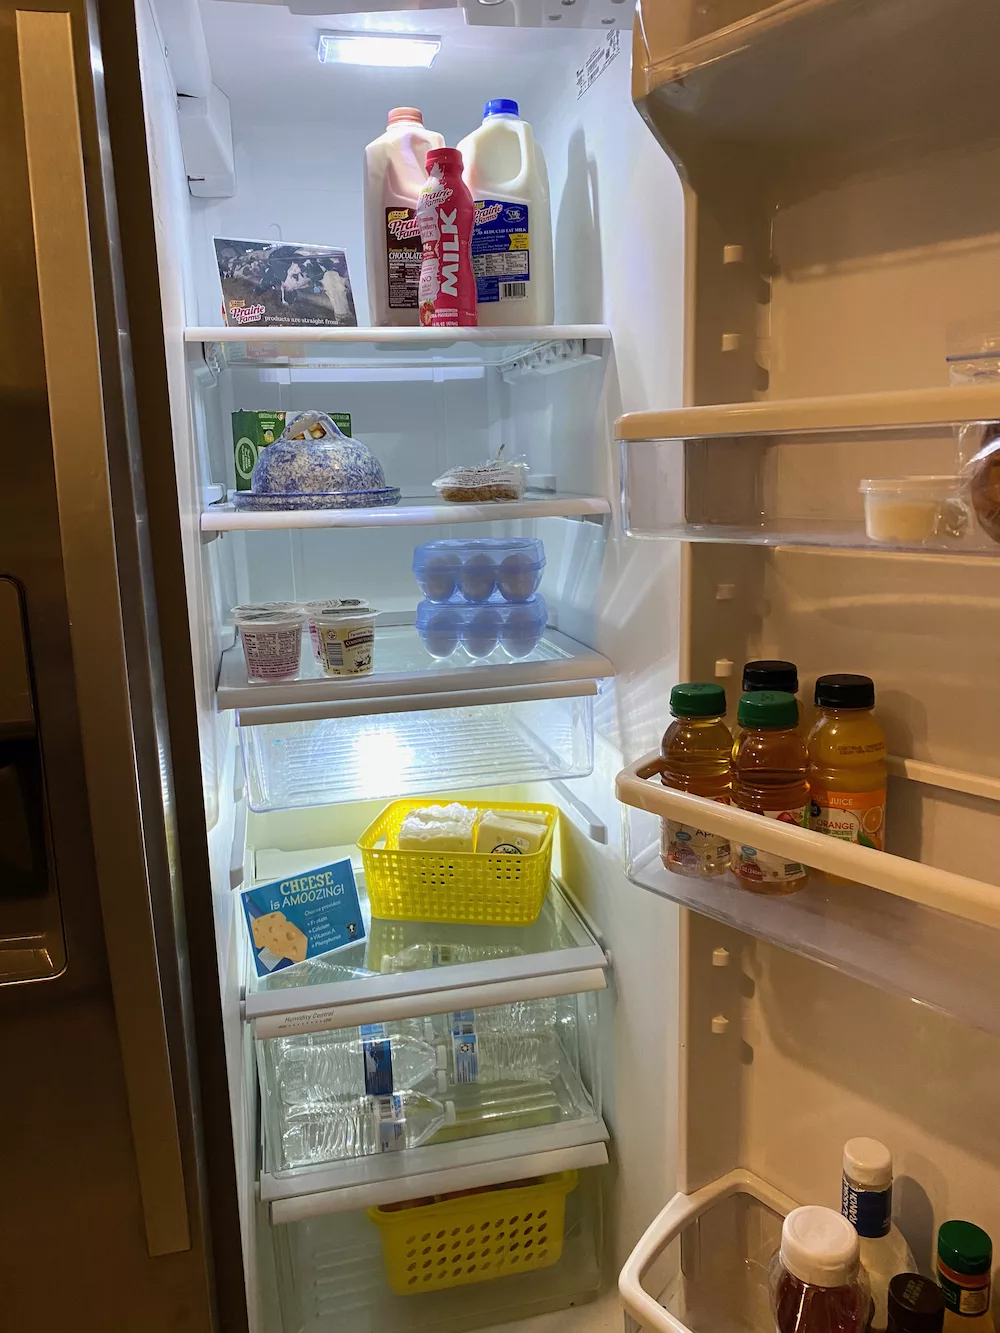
{"x": 376, "y": 48}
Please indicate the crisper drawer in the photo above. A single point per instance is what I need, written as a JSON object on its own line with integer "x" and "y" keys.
{"x": 347, "y": 1272}
{"x": 350, "y": 1106}
{"x": 546, "y": 732}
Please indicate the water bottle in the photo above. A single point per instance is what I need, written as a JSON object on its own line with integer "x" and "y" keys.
{"x": 481, "y": 1053}
{"x": 417, "y": 957}
{"x": 520, "y": 1017}
{"x": 360, "y": 1127}
{"x": 377, "y": 1060}
{"x": 315, "y": 972}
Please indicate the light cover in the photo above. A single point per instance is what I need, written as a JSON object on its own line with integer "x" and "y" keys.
{"x": 388, "y": 49}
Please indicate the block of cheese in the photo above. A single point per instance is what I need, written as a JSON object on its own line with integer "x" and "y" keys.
{"x": 438, "y": 828}
{"x": 505, "y": 834}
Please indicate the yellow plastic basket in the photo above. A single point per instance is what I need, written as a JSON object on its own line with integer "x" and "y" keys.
{"x": 454, "y": 886}
{"x": 476, "y": 1238}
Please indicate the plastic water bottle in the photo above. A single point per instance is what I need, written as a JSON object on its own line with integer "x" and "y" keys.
{"x": 314, "y": 1069}
{"x": 417, "y": 957}
{"x": 315, "y": 972}
{"x": 522, "y": 1016}
{"x": 484, "y": 1054}
{"x": 866, "y": 1201}
{"x": 361, "y": 1127}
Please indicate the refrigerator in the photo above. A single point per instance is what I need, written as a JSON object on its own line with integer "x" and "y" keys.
{"x": 774, "y": 249}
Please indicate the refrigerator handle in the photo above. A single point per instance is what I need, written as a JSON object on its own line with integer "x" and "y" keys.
{"x": 54, "y": 149}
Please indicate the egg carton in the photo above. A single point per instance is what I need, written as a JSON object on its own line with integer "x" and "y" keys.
{"x": 477, "y": 569}
{"x": 478, "y": 630}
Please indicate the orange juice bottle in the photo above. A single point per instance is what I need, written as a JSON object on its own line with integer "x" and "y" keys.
{"x": 696, "y": 750}
{"x": 847, "y": 772}
{"x": 769, "y": 777}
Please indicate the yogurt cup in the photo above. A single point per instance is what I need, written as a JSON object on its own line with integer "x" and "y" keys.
{"x": 346, "y": 641}
{"x": 313, "y": 609}
{"x": 255, "y": 608}
{"x": 906, "y": 511}
{"x": 272, "y": 642}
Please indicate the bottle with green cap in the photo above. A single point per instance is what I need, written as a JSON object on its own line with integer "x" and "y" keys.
{"x": 769, "y": 777}
{"x": 696, "y": 753}
{"x": 964, "y": 1261}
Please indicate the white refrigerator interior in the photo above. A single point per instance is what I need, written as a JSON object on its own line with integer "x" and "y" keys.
{"x": 731, "y": 226}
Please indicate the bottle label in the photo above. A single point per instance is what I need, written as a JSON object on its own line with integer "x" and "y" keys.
{"x": 465, "y": 1046}
{"x": 390, "y": 1123}
{"x": 403, "y": 250}
{"x": 693, "y": 851}
{"x": 767, "y": 868}
{"x": 966, "y": 1294}
{"x": 854, "y": 816}
{"x": 377, "y": 1056}
{"x": 868, "y": 1211}
{"x": 500, "y": 251}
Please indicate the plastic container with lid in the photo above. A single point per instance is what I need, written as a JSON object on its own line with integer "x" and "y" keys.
{"x": 915, "y": 1304}
{"x": 272, "y": 642}
{"x": 847, "y": 762}
{"x": 866, "y": 1202}
{"x": 696, "y": 752}
{"x": 476, "y": 568}
{"x": 480, "y": 628}
{"x": 964, "y": 1263}
{"x": 512, "y": 239}
{"x": 325, "y": 471}
{"x": 816, "y": 1281}
{"x": 907, "y": 511}
{"x": 769, "y": 778}
{"x": 395, "y": 172}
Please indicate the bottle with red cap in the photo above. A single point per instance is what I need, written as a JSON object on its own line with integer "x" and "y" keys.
{"x": 445, "y": 216}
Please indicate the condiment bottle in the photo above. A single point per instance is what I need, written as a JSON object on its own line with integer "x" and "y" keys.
{"x": 847, "y": 772}
{"x": 964, "y": 1259}
{"x": 915, "y": 1304}
{"x": 697, "y": 756}
{"x": 816, "y": 1281}
{"x": 769, "y": 778}
{"x": 866, "y": 1202}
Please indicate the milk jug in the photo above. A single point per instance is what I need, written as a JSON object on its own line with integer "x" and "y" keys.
{"x": 512, "y": 239}
{"x": 395, "y": 172}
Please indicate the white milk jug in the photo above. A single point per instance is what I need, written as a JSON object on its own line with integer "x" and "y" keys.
{"x": 512, "y": 238}
{"x": 395, "y": 172}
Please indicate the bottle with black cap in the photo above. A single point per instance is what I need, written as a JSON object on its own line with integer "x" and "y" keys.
{"x": 915, "y": 1304}
{"x": 771, "y": 674}
{"x": 847, "y": 771}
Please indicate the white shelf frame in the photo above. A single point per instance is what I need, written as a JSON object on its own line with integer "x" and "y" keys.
{"x": 479, "y": 1175}
{"x": 958, "y": 895}
{"x": 575, "y": 663}
{"x": 399, "y": 1172}
{"x": 425, "y": 513}
{"x": 403, "y": 337}
{"x": 679, "y": 1213}
{"x": 862, "y": 411}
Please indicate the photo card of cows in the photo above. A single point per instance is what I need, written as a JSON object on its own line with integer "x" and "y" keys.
{"x": 274, "y": 283}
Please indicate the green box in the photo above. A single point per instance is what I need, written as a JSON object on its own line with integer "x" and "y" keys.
{"x": 254, "y": 431}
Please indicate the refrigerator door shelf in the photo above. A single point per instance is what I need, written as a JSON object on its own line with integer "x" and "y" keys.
{"x": 901, "y": 926}
{"x": 392, "y": 1176}
{"x": 404, "y": 667}
{"x": 427, "y": 744}
{"x": 788, "y": 473}
{"x": 728, "y": 1231}
{"x": 508, "y": 349}
{"x": 414, "y": 513}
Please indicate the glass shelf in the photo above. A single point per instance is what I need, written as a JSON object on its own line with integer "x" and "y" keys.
{"x": 527, "y": 734}
{"x": 509, "y": 349}
{"x": 405, "y": 667}
{"x": 787, "y": 473}
{"x": 416, "y": 512}
{"x": 420, "y": 963}
{"x": 927, "y": 934}
{"x": 331, "y": 1277}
